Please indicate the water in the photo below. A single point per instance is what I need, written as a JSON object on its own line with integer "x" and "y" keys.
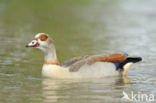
{"x": 78, "y": 28}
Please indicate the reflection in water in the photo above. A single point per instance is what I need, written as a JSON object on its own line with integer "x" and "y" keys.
{"x": 55, "y": 90}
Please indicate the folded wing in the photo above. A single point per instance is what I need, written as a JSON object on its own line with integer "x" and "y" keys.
{"x": 75, "y": 64}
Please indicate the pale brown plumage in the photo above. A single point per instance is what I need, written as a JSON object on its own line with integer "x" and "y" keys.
{"x": 75, "y": 63}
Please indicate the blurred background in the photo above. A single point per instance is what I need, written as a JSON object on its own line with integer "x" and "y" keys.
{"x": 78, "y": 27}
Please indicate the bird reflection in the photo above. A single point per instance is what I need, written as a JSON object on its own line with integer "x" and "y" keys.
{"x": 55, "y": 90}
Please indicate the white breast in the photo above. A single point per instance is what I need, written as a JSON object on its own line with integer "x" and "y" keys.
{"x": 55, "y": 71}
{"x": 96, "y": 70}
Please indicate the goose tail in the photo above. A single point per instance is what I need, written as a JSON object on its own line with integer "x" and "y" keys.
{"x": 126, "y": 65}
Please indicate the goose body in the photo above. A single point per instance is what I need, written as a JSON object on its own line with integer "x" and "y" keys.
{"x": 95, "y": 70}
{"x": 94, "y": 66}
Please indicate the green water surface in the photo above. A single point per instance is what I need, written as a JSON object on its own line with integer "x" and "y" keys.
{"x": 78, "y": 27}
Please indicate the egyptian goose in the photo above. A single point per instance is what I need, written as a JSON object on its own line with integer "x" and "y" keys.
{"x": 90, "y": 66}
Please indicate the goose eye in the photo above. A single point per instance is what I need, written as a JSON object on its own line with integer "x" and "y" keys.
{"x": 33, "y": 43}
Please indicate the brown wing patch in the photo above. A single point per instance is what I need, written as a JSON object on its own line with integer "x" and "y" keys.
{"x": 107, "y": 58}
{"x": 97, "y": 58}
{"x": 114, "y": 58}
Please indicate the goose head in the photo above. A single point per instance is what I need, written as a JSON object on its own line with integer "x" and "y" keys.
{"x": 45, "y": 44}
{"x": 41, "y": 40}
